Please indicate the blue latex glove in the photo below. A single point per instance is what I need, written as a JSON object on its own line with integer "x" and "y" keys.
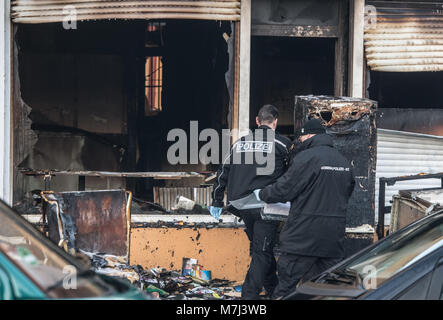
{"x": 215, "y": 212}
{"x": 256, "y": 192}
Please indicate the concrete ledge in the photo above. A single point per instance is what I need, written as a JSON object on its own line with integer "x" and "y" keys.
{"x": 225, "y": 220}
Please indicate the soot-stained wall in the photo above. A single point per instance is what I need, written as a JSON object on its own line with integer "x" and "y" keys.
{"x": 282, "y": 67}
{"x": 85, "y": 87}
{"x": 73, "y": 82}
{"x": 301, "y": 12}
{"x": 409, "y": 101}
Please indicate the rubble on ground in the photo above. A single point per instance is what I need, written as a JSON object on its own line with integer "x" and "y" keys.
{"x": 162, "y": 284}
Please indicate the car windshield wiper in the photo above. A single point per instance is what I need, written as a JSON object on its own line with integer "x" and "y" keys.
{"x": 84, "y": 274}
{"x": 328, "y": 284}
{"x": 347, "y": 276}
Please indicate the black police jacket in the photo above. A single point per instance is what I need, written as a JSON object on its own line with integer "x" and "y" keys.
{"x": 318, "y": 183}
{"x": 249, "y": 164}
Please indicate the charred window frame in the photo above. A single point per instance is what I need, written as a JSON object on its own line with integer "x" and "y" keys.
{"x": 153, "y": 68}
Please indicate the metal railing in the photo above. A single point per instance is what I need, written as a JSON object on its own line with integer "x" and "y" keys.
{"x": 382, "y": 209}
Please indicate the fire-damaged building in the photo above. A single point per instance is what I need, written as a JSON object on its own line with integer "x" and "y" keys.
{"x": 92, "y": 88}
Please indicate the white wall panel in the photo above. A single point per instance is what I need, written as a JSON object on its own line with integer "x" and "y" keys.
{"x": 403, "y": 153}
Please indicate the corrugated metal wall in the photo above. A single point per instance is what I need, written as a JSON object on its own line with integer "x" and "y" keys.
{"x": 166, "y": 197}
{"x": 45, "y": 11}
{"x": 403, "y": 153}
{"x": 403, "y": 36}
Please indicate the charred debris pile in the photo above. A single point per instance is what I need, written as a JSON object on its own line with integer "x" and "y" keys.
{"x": 162, "y": 284}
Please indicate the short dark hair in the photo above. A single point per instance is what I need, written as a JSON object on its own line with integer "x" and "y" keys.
{"x": 267, "y": 113}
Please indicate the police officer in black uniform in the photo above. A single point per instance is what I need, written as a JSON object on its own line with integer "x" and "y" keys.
{"x": 241, "y": 177}
{"x": 318, "y": 183}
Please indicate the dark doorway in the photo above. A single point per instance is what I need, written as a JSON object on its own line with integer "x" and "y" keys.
{"x": 282, "y": 67}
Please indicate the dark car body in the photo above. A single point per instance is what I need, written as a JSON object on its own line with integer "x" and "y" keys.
{"x": 408, "y": 264}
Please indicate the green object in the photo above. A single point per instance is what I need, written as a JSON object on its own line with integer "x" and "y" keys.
{"x": 21, "y": 286}
{"x": 15, "y": 284}
{"x": 26, "y": 256}
{"x": 215, "y": 295}
{"x": 152, "y": 288}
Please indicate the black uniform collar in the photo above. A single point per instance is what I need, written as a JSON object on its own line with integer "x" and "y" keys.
{"x": 263, "y": 126}
{"x": 317, "y": 140}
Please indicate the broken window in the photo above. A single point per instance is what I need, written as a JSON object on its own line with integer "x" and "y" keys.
{"x": 154, "y": 69}
{"x": 403, "y": 53}
{"x": 153, "y": 85}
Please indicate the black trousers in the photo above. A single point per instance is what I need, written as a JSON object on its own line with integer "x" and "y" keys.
{"x": 293, "y": 268}
{"x": 262, "y": 235}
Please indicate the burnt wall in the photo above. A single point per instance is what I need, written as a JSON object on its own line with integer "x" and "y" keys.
{"x": 75, "y": 78}
{"x": 85, "y": 92}
{"x": 418, "y": 120}
{"x": 73, "y": 82}
{"x": 304, "y": 12}
{"x": 408, "y": 101}
{"x": 166, "y": 247}
{"x": 282, "y": 67}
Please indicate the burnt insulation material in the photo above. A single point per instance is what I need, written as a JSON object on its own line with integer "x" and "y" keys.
{"x": 351, "y": 123}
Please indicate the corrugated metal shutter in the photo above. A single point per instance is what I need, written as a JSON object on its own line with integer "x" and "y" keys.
{"x": 45, "y": 11}
{"x": 404, "y": 36}
{"x": 402, "y": 153}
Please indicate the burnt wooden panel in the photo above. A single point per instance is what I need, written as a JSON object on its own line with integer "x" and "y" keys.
{"x": 93, "y": 221}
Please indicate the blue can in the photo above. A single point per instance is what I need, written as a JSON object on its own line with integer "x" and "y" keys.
{"x": 205, "y": 275}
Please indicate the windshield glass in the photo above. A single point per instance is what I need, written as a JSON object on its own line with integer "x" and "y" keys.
{"x": 399, "y": 251}
{"x": 50, "y": 270}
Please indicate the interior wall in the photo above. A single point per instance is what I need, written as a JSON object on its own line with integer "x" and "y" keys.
{"x": 70, "y": 80}
{"x": 408, "y": 101}
{"x": 83, "y": 91}
{"x": 85, "y": 87}
{"x": 195, "y": 60}
{"x": 73, "y": 82}
{"x": 427, "y": 121}
{"x": 300, "y": 12}
{"x": 282, "y": 67}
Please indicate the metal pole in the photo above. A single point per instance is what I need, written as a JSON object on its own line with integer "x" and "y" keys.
{"x": 244, "y": 72}
{"x": 381, "y": 209}
{"x": 47, "y": 179}
{"x": 6, "y": 180}
{"x": 356, "y": 48}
